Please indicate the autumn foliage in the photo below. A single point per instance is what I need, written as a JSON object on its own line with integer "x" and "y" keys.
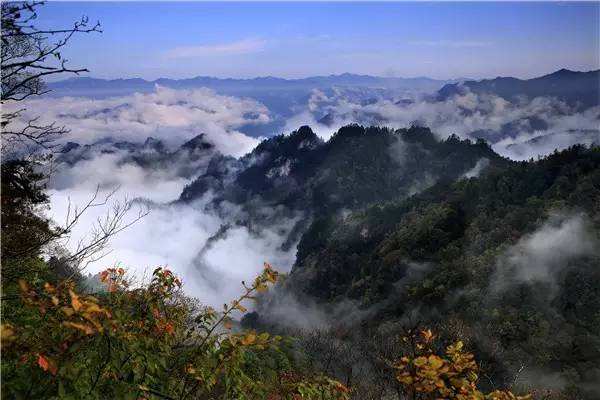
{"x": 452, "y": 374}
{"x": 152, "y": 342}
{"x": 145, "y": 343}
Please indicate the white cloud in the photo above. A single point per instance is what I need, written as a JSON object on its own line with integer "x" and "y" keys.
{"x": 176, "y": 236}
{"x": 107, "y": 171}
{"x": 168, "y": 114}
{"x": 172, "y": 234}
{"x": 540, "y": 255}
{"x": 245, "y": 46}
{"x": 468, "y": 115}
{"x": 474, "y": 172}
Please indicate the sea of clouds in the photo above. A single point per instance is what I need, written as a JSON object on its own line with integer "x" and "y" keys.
{"x": 507, "y": 125}
{"x": 171, "y": 235}
{"x": 179, "y": 235}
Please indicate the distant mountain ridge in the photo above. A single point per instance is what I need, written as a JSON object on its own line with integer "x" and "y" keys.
{"x": 283, "y": 97}
{"x": 97, "y": 86}
{"x": 153, "y": 155}
{"x": 579, "y": 89}
{"x": 337, "y": 100}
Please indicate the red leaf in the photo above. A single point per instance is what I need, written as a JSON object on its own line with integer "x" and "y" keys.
{"x": 43, "y": 362}
{"x": 46, "y": 364}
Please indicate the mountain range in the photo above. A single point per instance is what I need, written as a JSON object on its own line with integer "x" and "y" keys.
{"x": 572, "y": 86}
{"x": 94, "y": 87}
{"x": 578, "y": 89}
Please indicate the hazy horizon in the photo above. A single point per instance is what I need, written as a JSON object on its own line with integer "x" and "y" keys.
{"x": 84, "y": 75}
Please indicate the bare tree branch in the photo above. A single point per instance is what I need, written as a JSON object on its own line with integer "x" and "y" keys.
{"x": 28, "y": 55}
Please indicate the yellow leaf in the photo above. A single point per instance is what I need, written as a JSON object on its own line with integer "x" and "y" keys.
{"x": 75, "y": 303}
{"x": 261, "y": 288}
{"x": 435, "y": 362}
{"x": 67, "y": 310}
{"x": 6, "y": 331}
{"x": 249, "y": 339}
{"x": 271, "y": 276}
{"x": 82, "y": 327}
{"x": 190, "y": 369}
{"x": 23, "y": 285}
{"x": 241, "y": 307}
{"x": 420, "y": 361}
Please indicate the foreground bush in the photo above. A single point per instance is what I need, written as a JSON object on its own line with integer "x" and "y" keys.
{"x": 152, "y": 342}
{"x": 145, "y": 343}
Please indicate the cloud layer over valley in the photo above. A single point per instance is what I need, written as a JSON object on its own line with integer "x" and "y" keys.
{"x": 114, "y": 153}
{"x": 208, "y": 247}
{"x": 168, "y": 114}
{"x": 519, "y": 131}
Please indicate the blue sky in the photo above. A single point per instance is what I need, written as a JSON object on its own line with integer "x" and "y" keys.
{"x": 439, "y": 40}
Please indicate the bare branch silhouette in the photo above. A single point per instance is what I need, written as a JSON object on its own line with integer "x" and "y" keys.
{"x": 28, "y": 55}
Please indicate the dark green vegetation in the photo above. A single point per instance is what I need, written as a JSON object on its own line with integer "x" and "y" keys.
{"x": 436, "y": 259}
{"x": 356, "y": 167}
{"x": 446, "y": 224}
{"x": 299, "y": 174}
{"x": 392, "y": 224}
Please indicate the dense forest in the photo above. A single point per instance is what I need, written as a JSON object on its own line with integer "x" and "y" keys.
{"x": 508, "y": 261}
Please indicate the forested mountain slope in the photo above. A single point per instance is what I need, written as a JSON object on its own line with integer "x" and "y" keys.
{"x": 300, "y": 174}
{"x": 470, "y": 214}
{"x": 511, "y": 257}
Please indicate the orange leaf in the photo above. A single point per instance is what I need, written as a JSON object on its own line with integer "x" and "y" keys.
{"x": 249, "y": 339}
{"x": 75, "y": 303}
{"x": 43, "y": 362}
{"x": 23, "y": 285}
{"x": 46, "y": 364}
{"x": 427, "y": 335}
